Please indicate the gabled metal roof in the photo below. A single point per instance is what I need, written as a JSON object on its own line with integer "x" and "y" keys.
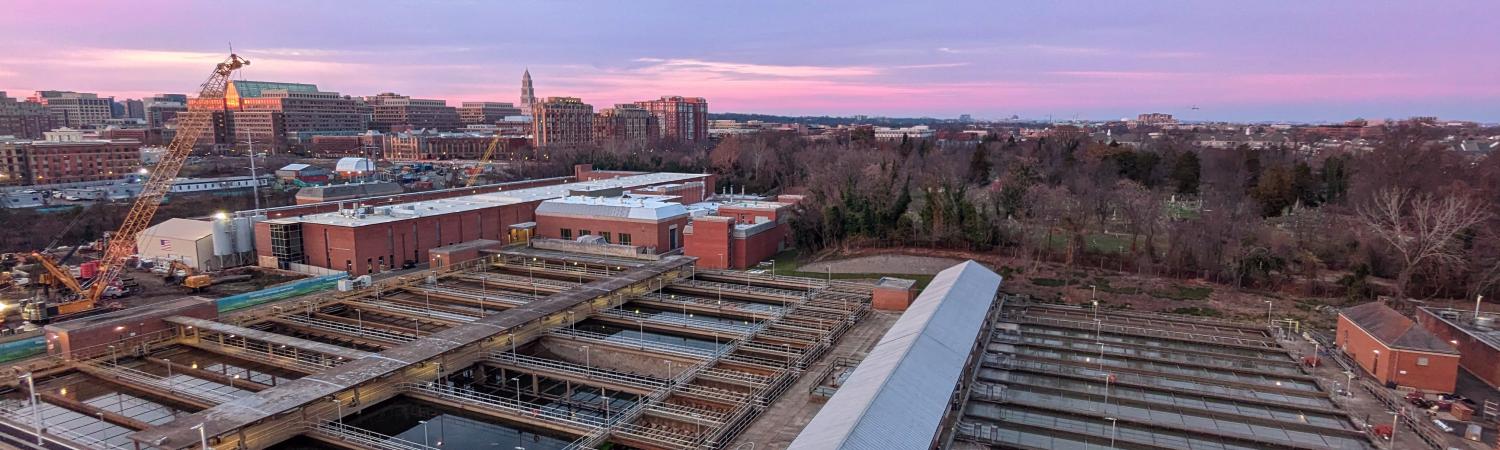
{"x": 899, "y": 394}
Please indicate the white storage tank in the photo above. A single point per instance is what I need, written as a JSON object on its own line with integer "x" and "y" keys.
{"x": 223, "y": 236}
{"x": 244, "y": 235}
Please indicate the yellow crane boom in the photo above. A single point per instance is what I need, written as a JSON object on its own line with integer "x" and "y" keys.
{"x": 191, "y": 127}
{"x": 489, "y": 152}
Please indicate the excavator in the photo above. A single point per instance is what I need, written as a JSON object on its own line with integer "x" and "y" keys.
{"x": 191, "y": 126}
{"x": 40, "y": 309}
{"x": 190, "y": 278}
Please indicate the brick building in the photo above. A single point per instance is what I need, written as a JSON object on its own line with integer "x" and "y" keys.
{"x": 486, "y": 113}
{"x": 642, "y": 221}
{"x": 739, "y": 234}
{"x": 680, "y": 118}
{"x": 1394, "y": 350}
{"x": 562, "y": 121}
{"x": 65, "y": 157}
{"x": 75, "y": 109}
{"x": 295, "y": 112}
{"x": 393, "y": 112}
{"x": 1476, "y": 338}
{"x": 370, "y": 144}
{"x": 23, "y": 119}
{"x": 429, "y": 145}
{"x": 626, "y": 123}
{"x": 386, "y": 234}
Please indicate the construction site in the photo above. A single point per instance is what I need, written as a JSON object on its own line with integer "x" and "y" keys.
{"x": 522, "y": 348}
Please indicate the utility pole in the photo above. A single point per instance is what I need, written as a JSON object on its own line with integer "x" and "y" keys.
{"x": 254, "y": 182}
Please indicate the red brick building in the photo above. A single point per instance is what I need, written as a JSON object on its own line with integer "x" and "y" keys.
{"x": 63, "y": 159}
{"x": 680, "y": 118}
{"x": 1476, "y": 339}
{"x": 641, "y": 221}
{"x": 383, "y": 233}
{"x": 1394, "y": 350}
{"x": 739, "y": 234}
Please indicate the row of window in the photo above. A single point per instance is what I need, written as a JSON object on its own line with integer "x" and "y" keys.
{"x": 568, "y": 234}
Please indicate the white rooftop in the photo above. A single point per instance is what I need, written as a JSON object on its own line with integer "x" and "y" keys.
{"x": 636, "y": 207}
{"x": 402, "y": 211}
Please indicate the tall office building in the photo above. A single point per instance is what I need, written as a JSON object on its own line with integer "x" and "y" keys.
{"x": 528, "y": 96}
{"x": 392, "y": 112}
{"x": 625, "y": 123}
{"x": 163, "y": 108}
{"x": 486, "y": 113}
{"x": 75, "y": 109}
{"x": 135, "y": 109}
{"x": 683, "y": 119}
{"x": 562, "y": 121}
{"x": 23, "y": 119}
{"x": 65, "y": 156}
{"x": 304, "y": 112}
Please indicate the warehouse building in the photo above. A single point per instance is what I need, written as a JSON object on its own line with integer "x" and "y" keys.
{"x": 186, "y": 240}
{"x": 1476, "y": 336}
{"x": 363, "y": 238}
{"x": 1394, "y": 350}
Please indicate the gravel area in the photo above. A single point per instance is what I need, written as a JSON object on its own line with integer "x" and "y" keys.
{"x": 897, "y": 264}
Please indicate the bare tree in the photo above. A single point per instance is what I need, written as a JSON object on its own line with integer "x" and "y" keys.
{"x": 1421, "y": 228}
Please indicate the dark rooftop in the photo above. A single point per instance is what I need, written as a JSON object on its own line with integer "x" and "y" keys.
{"x": 1394, "y": 329}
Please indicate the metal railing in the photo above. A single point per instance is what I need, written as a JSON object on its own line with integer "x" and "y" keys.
{"x": 350, "y": 434}
{"x": 627, "y": 341}
{"x": 592, "y": 373}
{"x": 352, "y": 330}
{"x": 139, "y": 377}
{"x": 509, "y": 405}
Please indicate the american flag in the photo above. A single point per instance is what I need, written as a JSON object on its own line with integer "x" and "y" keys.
{"x": 166, "y": 245}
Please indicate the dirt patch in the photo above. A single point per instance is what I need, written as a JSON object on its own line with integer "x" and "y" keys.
{"x": 891, "y": 263}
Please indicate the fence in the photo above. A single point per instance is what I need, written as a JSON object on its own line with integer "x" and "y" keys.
{"x": 280, "y": 291}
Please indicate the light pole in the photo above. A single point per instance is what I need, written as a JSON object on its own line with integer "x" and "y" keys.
{"x": 359, "y": 319}
{"x": 588, "y": 366}
{"x": 773, "y": 269}
{"x": 1476, "y": 307}
{"x": 1349, "y": 384}
{"x": 169, "y": 373}
{"x": 1113, "y": 424}
{"x": 518, "y": 391}
{"x": 1395, "y": 423}
{"x": 337, "y": 403}
{"x": 36, "y": 417}
{"x": 1269, "y": 324}
{"x": 203, "y": 437}
{"x": 424, "y": 432}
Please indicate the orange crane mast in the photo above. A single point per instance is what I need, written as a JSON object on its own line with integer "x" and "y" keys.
{"x": 191, "y": 127}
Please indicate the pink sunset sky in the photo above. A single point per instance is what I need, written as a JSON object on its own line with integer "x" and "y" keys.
{"x": 1265, "y": 60}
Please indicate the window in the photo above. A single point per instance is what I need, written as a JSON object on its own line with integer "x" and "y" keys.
{"x": 605, "y": 235}
{"x": 567, "y": 234}
{"x": 582, "y": 233}
{"x": 624, "y": 238}
{"x": 1422, "y": 361}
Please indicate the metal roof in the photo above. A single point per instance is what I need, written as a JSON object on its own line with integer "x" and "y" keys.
{"x": 178, "y": 228}
{"x": 634, "y": 207}
{"x": 899, "y": 394}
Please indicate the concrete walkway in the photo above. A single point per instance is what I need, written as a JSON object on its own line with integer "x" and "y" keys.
{"x": 780, "y": 424}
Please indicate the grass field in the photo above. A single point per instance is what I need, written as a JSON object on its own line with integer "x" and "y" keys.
{"x": 788, "y": 262}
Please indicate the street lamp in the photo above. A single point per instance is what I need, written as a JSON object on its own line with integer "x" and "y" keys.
{"x": 1113, "y": 424}
{"x": 203, "y": 438}
{"x": 518, "y": 391}
{"x": 424, "y": 432}
{"x": 359, "y": 319}
{"x": 1269, "y": 324}
{"x": 588, "y": 367}
{"x": 1349, "y": 384}
{"x": 1395, "y": 423}
{"x": 36, "y": 418}
{"x": 337, "y": 403}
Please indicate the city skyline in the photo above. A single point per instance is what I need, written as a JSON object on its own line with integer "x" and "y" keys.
{"x": 1094, "y": 60}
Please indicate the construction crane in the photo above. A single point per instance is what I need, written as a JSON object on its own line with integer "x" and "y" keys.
{"x": 489, "y": 152}
{"x": 191, "y": 126}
